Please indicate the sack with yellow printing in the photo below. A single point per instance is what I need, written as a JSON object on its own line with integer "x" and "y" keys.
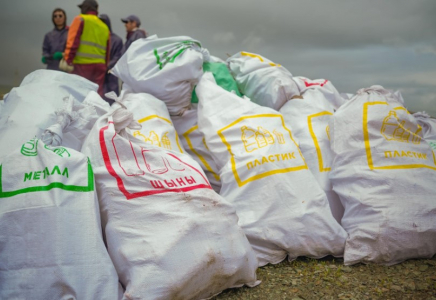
{"x": 281, "y": 207}
{"x": 309, "y": 119}
{"x": 51, "y": 244}
{"x": 264, "y": 82}
{"x": 168, "y": 233}
{"x": 384, "y": 173}
{"x": 152, "y": 114}
{"x": 195, "y": 144}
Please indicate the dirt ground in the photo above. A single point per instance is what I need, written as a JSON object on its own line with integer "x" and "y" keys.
{"x": 328, "y": 278}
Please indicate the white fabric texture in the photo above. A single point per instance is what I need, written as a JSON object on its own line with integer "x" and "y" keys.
{"x": 167, "y": 68}
{"x": 264, "y": 82}
{"x": 309, "y": 119}
{"x": 281, "y": 207}
{"x": 152, "y": 114}
{"x": 31, "y": 108}
{"x": 195, "y": 144}
{"x": 428, "y": 125}
{"x": 168, "y": 233}
{"x": 50, "y": 231}
{"x": 384, "y": 173}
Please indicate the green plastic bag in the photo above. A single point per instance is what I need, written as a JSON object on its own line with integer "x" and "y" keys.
{"x": 222, "y": 77}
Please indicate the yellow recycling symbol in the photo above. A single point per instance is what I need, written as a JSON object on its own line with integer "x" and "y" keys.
{"x": 153, "y": 139}
{"x": 394, "y": 129}
{"x": 255, "y": 139}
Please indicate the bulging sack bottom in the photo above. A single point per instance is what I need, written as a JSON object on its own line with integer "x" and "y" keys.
{"x": 50, "y": 232}
{"x": 384, "y": 172}
{"x": 281, "y": 207}
{"x": 170, "y": 236}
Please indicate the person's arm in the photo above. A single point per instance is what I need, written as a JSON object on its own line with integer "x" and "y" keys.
{"x": 45, "y": 49}
{"x": 73, "y": 39}
{"x": 116, "y": 52}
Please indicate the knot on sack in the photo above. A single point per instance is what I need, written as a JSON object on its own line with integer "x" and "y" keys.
{"x": 421, "y": 114}
{"x": 206, "y": 54}
{"x": 375, "y": 88}
{"x": 121, "y": 116}
{"x": 53, "y": 135}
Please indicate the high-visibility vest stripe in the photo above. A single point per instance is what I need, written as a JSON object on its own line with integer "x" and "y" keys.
{"x": 92, "y": 44}
{"x": 90, "y": 55}
{"x": 93, "y": 41}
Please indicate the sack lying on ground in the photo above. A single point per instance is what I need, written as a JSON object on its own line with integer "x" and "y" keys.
{"x": 31, "y": 108}
{"x": 281, "y": 207}
{"x": 50, "y": 231}
{"x": 157, "y": 128}
{"x": 261, "y": 80}
{"x": 167, "y": 68}
{"x": 309, "y": 119}
{"x": 384, "y": 173}
{"x": 168, "y": 233}
{"x": 195, "y": 144}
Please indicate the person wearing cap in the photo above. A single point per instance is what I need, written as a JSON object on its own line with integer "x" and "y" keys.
{"x": 88, "y": 45}
{"x": 55, "y": 40}
{"x": 132, "y": 24}
{"x": 116, "y": 50}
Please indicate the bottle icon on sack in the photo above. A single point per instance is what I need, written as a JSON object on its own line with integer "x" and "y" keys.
{"x": 153, "y": 139}
{"x": 260, "y": 138}
{"x": 280, "y": 137}
{"x": 394, "y": 129}
{"x": 249, "y": 139}
{"x": 268, "y": 136}
{"x": 166, "y": 143}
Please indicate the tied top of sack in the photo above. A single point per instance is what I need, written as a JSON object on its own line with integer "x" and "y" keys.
{"x": 167, "y": 68}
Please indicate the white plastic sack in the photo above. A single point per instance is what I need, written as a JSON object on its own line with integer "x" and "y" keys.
{"x": 309, "y": 119}
{"x": 168, "y": 233}
{"x": 281, "y": 207}
{"x": 167, "y": 68}
{"x": 152, "y": 114}
{"x": 384, "y": 173}
{"x": 264, "y": 82}
{"x": 51, "y": 244}
{"x": 195, "y": 144}
{"x": 31, "y": 108}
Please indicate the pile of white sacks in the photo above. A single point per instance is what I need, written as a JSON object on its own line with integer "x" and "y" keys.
{"x": 201, "y": 172}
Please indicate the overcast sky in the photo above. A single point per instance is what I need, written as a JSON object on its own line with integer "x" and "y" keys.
{"x": 354, "y": 44}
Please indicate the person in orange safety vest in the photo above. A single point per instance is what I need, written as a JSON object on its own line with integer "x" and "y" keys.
{"x": 88, "y": 45}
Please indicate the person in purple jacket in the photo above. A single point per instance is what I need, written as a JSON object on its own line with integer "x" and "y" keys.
{"x": 132, "y": 24}
{"x": 55, "y": 40}
{"x": 116, "y": 50}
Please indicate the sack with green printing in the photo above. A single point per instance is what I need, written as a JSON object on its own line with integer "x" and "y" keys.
{"x": 384, "y": 173}
{"x": 32, "y": 107}
{"x": 309, "y": 119}
{"x": 264, "y": 82}
{"x": 195, "y": 144}
{"x": 281, "y": 207}
{"x": 168, "y": 233}
{"x": 51, "y": 244}
{"x": 167, "y": 68}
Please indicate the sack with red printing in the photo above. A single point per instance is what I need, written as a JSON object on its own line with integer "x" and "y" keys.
{"x": 384, "y": 172}
{"x": 157, "y": 128}
{"x": 281, "y": 207}
{"x": 264, "y": 82}
{"x": 309, "y": 119}
{"x": 168, "y": 233}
